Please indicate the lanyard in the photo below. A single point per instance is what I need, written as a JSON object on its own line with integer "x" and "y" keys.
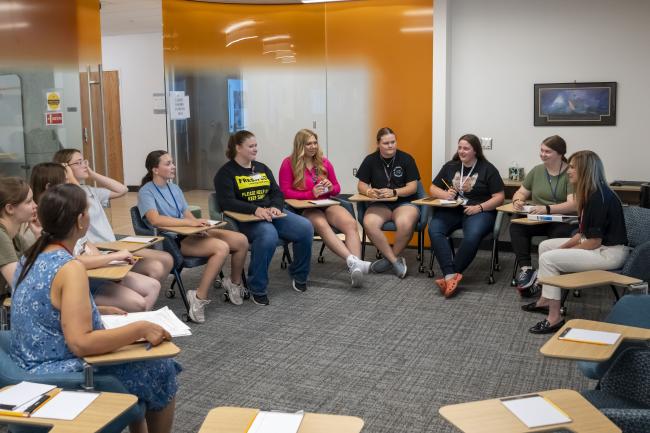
{"x": 462, "y": 181}
{"x": 180, "y": 214}
{"x": 314, "y": 175}
{"x": 557, "y": 184}
{"x": 63, "y": 246}
{"x": 387, "y": 173}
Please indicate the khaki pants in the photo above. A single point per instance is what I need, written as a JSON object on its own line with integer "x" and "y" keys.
{"x": 556, "y": 261}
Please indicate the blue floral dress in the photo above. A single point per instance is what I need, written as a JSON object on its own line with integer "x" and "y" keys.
{"x": 38, "y": 344}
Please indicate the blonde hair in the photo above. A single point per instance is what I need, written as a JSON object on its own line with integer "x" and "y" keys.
{"x": 298, "y": 158}
{"x": 590, "y": 176}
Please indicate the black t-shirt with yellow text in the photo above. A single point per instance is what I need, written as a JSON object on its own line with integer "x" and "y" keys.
{"x": 242, "y": 189}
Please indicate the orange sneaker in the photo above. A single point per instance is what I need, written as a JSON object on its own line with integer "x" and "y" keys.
{"x": 452, "y": 285}
{"x": 442, "y": 284}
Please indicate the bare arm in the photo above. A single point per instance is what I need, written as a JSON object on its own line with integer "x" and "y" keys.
{"x": 8, "y": 272}
{"x": 367, "y": 190}
{"x": 92, "y": 257}
{"x": 442, "y": 194}
{"x": 116, "y": 188}
{"x": 70, "y": 294}
{"x": 519, "y": 198}
{"x": 188, "y": 220}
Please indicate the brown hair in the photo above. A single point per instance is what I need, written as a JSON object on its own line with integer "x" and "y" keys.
{"x": 556, "y": 143}
{"x": 237, "y": 139}
{"x": 44, "y": 176}
{"x": 63, "y": 156}
{"x": 298, "y": 158}
{"x": 152, "y": 161}
{"x": 473, "y": 141}
{"x": 13, "y": 191}
{"x": 590, "y": 176}
{"x": 384, "y": 131}
{"x": 58, "y": 212}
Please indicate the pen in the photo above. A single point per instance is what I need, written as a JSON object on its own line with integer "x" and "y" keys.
{"x": 41, "y": 401}
{"x": 446, "y": 184}
{"x": 148, "y": 346}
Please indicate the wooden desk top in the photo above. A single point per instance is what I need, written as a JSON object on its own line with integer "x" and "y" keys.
{"x": 186, "y": 230}
{"x": 508, "y": 208}
{"x": 365, "y": 198}
{"x": 525, "y": 221}
{"x": 103, "y": 410}
{"x": 306, "y": 204}
{"x": 248, "y": 218}
{"x": 111, "y": 272}
{"x": 135, "y": 352}
{"x": 435, "y": 202}
{"x": 491, "y": 416}
{"x": 239, "y": 419}
{"x": 587, "y": 279}
{"x": 130, "y": 246}
{"x": 556, "y": 348}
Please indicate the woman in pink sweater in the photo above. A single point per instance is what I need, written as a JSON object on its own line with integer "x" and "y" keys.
{"x": 307, "y": 175}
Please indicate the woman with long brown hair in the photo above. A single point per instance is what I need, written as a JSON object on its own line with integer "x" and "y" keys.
{"x": 600, "y": 242}
{"x": 307, "y": 175}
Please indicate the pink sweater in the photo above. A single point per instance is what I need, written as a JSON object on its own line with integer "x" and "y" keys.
{"x": 306, "y": 193}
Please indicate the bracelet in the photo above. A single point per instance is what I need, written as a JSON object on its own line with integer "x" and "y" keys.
{"x": 394, "y": 192}
{"x": 548, "y": 209}
{"x": 481, "y": 206}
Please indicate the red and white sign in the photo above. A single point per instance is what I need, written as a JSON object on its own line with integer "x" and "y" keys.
{"x": 54, "y": 118}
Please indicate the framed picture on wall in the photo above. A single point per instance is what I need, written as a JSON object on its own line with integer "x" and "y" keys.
{"x": 575, "y": 104}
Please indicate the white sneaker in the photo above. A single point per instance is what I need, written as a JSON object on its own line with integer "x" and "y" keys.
{"x": 356, "y": 276}
{"x": 197, "y": 307}
{"x": 354, "y": 261}
{"x": 233, "y": 291}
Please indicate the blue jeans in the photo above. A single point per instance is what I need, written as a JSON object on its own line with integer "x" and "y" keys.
{"x": 475, "y": 228}
{"x": 263, "y": 237}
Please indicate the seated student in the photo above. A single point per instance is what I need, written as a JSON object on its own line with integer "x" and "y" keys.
{"x": 386, "y": 173}
{"x": 599, "y": 244}
{"x": 162, "y": 204}
{"x": 135, "y": 292}
{"x": 17, "y": 208}
{"x": 308, "y": 175}
{"x": 153, "y": 263}
{"x": 547, "y": 185}
{"x": 471, "y": 178}
{"x": 245, "y": 185}
{"x": 55, "y": 323}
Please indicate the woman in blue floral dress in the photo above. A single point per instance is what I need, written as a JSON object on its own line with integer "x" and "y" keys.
{"x": 55, "y": 322}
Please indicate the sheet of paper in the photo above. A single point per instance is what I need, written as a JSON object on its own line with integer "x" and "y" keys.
{"x": 214, "y": 222}
{"x": 276, "y": 422}
{"x": 442, "y": 201}
{"x": 527, "y": 209}
{"x": 163, "y": 317}
{"x": 138, "y": 239}
{"x": 117, "y": 263}
{"x": 66, "y": 405}
{"x": 589, "y": 336}
{"x": 323, "y": 202}
{"x": 23, "y": 392}
{"x": 535, "y": 411}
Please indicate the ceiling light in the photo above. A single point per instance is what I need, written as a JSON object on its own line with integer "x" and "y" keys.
{"x": 276, "y": 38}
{"x": 418, "y": 12}
{"x": 239, "y": 25}
{"x": 13, "y": 26}
{"x": 239, "y": 40}
{"x": 416, "y": 29}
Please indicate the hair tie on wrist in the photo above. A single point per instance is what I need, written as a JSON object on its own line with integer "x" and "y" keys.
{"x": 481, "y": 206}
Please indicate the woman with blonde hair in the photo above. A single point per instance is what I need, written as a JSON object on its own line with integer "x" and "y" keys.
{"x": 307, "y": 175}
{"x": 600, "y": 242}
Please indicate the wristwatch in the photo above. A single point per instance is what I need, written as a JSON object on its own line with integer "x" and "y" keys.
{"x": 394, "y": 192}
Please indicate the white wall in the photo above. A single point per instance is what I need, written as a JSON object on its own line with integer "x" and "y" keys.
{"x": 499, "y": 48}
{"x": 139, "y": 60}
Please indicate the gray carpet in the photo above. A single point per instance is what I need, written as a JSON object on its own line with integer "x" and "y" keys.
{"x": 391, "y": 353}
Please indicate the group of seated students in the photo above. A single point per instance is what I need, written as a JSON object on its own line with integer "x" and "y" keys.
{"x": 55, "y": 308}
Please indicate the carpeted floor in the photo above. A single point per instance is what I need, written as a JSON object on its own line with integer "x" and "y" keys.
{"x": 391, "y": 353}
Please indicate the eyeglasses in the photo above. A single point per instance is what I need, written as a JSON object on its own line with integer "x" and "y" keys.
{"x": 81, "y": 163}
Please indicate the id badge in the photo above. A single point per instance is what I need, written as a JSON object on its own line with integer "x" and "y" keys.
{"x": 256, "y": 176}
{"x": 464, "y": 202}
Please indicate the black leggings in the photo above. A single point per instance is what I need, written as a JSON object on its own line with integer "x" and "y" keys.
{"x": 521, "y": 235}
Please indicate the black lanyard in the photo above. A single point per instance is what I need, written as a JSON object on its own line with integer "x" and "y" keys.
{"x": 388, "y": 173}
{"x": 180, "y": 214}
{"x": 557, "y": 184}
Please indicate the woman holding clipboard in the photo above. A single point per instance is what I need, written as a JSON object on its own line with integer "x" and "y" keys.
{"x": 307, "y": 175}
{"x": 476, "y": 184}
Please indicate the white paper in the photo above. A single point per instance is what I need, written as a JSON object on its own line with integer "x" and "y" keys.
{"x": 323, "y": 202}
{"x": 527, "y": 209}
{"x": 589, "y": 336}
{"x": 536, "y": 411}
{"x": 214, "y": 222}
{"x": 138, "y": 239}
{"x": 66, "y": 405}
{"x": 163, "y": 317}
{"x": 23, "y": 392}
{"x": 276, "y": 422}
{"x": 443, "y": 201}
{"x": 118, "y": 263}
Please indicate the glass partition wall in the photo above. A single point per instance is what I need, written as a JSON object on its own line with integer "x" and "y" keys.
{"x": 343, "y": 69}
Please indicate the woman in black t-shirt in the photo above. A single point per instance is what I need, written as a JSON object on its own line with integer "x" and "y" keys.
{"x": 477, "y": 185}
{"x": 387, "y": 173}
{"x": 599, "y": 243}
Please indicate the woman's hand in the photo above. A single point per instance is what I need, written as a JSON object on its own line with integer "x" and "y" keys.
{"x": 264, "y": 213}
{"x": 451, "y": 194}
{"x": 518, "y": 204}
{"x": 124, "y": 255}
{"x": 318, "y": 190}
{"x": 327, "y": 184}
{"x": 372, "y": 193}
{"x": 385, "y": 193}
{"x": 107, "y": 309}
{"x": 472, "y": 210}
{"x": 154, "y": 334}
{"x": 275, "y": 211}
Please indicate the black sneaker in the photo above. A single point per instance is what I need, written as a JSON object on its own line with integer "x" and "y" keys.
{"x": 531, "y": 291}
{"x": 260, "y": 299}
{"x": 299, "y": 287}
{"x": 526, "y": 277}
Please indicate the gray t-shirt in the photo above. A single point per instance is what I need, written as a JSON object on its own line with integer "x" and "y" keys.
{"x": 100, "y": 229}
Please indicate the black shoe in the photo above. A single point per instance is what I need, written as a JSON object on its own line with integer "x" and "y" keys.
{"x": 545, "y": 327}
{"x": 533, "y": 308}
{"x": 531, "y": 291}
{"x": 260, "y": 299}
{"x": 526, "y": 277}
{"x": 299, "y": 287}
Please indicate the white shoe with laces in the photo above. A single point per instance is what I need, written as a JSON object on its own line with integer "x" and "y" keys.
{"x": 234, "y": 291}
{"x": 197, "y": 307}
